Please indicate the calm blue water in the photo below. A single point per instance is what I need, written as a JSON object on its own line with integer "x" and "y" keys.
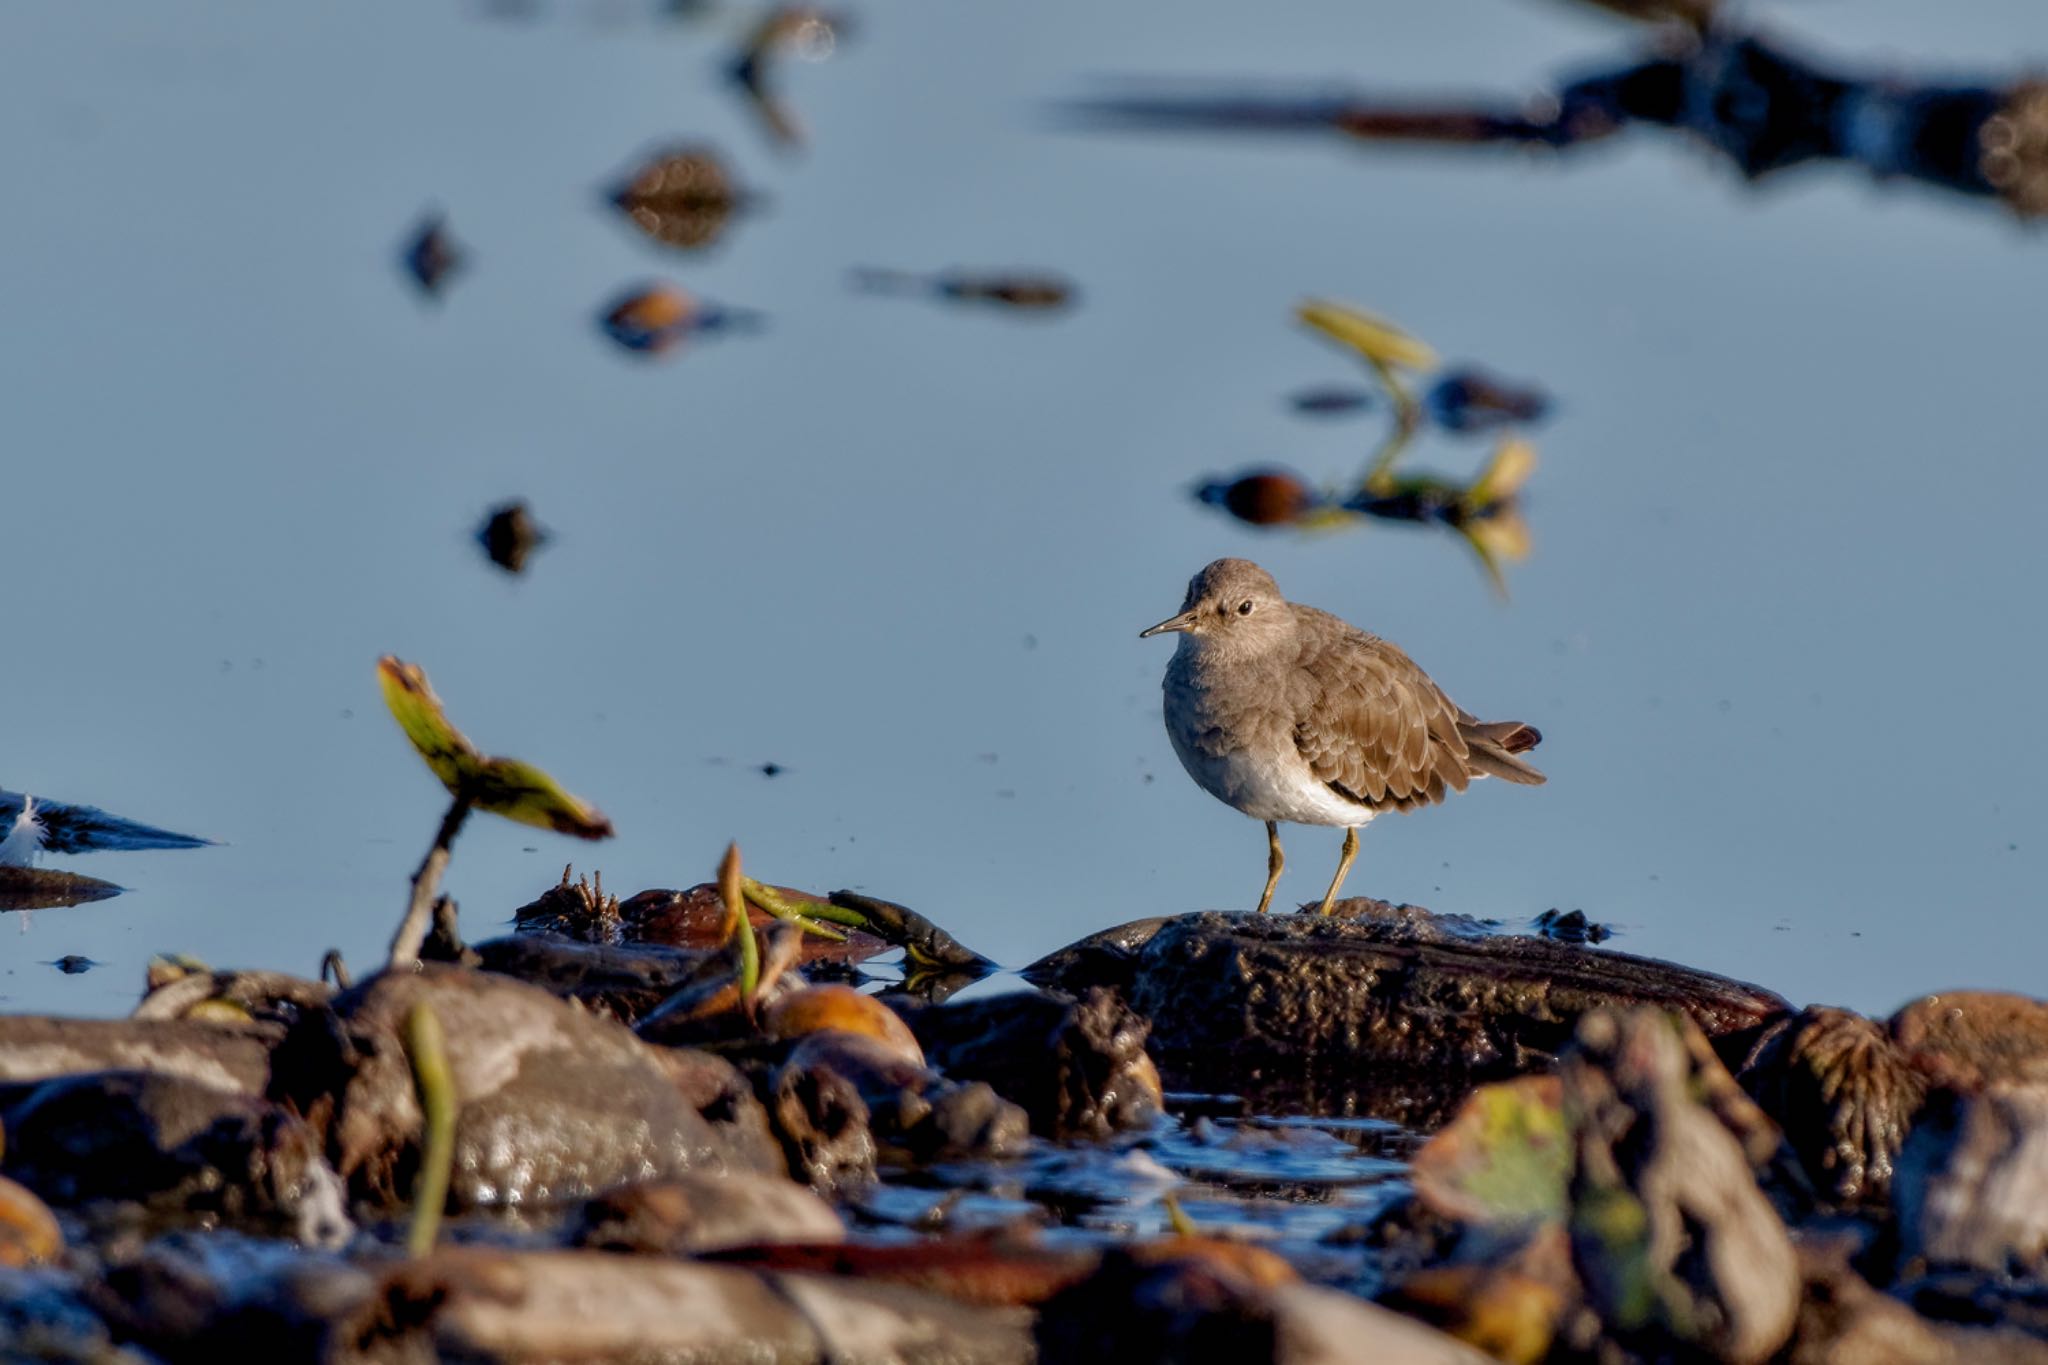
{"x": 1781, "y": 628}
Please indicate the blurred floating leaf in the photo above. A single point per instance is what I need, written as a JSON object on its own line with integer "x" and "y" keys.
{"x": 1504, "y": 1157}
{"x": 42, "y": 888}
{"x": 1472, "y": 401}
{"x": 1378, "y": 340}
{"x": 681, "y": 197}
{"x": 1513, "y": 462}
{"x": 73, "y": 964}
{"x": 509, "y": 534}
{"x": 654, "y": 318}
{"x": 1027, "y": 292}
{"x": 507, "y": 787}
{"x": 431, "y": 256}
{"x": 64, "y": 828}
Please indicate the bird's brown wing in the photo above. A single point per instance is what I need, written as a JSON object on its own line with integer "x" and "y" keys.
{"x": 1377, "y": 730}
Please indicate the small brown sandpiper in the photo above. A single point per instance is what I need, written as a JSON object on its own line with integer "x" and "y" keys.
{"x": 1288, "y": 713}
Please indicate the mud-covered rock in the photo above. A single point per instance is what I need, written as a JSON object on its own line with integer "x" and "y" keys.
{"x": 1077, "y": 1066}
{"x": 553, "y": 1103}
{"x": 168, "y": 1144}
{"x": 220, "y": 1295}
{"x": 687, "y": 1214}
{"x": 226, "y": 1056}
{"x": 822, "y": 1123}
{"x": 1844, "y": 1321}
{"x": 1972, "y": 1183}
{"x": 1389, "y": 988}
{"x": 1845, "y": 1096}
{"x": 1970, "y": 1039}
{"x": 1676, "y": 1246}
{"x": 596, "y": 1307}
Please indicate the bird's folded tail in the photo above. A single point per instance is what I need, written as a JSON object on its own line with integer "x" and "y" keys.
{"x": 1492, "y": 746}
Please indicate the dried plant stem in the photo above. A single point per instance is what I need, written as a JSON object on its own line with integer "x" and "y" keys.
{"x": 426, "y": 885}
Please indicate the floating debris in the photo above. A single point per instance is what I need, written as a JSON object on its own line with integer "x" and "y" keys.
{"x": 681, "y": 197}
{"x": 71, "y": 964}
{"x": 509, "y": 534}
{"x": 658, "y": 317}
{"x": 1754, "y": 100}
{"x": 771, "y": 770}
{"x": 1029, "y": 292}
{"x": 799, "y": 31}
{"x": 43, "y": 888}
{"x": 431, "y": 255}
{"x": 1272, "y": 497}
{"x": 1333, "y": 401}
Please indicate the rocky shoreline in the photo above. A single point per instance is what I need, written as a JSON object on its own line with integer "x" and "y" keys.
{"x": 1628, "y": 1160}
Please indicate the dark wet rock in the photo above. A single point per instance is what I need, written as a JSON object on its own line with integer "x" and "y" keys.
{"x": 1971, "y": 1039}
{"x": 1844, "y": 1095}
{"x": 1570, "y": 926}
{"x": 225, "y": 1296}
{"x": 169, "y": 1144}
{"x": 1138, "y": 1309}
{"x": 230, "y": 996}
{"x": 688, "y": 1214}
{"x": 595, "y": 1307}
{"x": 926, "y": 947}
{"x": 1078, "y": 1067}
{"x": 228, "y": 1056}
{"x": 553, "y": 1103}
{"x": 1108, "y": 957}
{"x": 623, "y": 982}
{"x": 1394, "y": 988}
{"x": 914, "y": 1113}
{"x": 1972, "y": 1183}
{"x": 578, "y": 910}
{"x": 822, "y": 1122}
{"x": 44, "y": 1316}
{"x": 1677, "y": 1248}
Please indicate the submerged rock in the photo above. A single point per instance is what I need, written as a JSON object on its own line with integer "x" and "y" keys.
{"x": 553, "y": 1103}
{"x": 1078, "y": 1067}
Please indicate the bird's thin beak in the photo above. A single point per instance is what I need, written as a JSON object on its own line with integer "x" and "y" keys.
{"x": 1184, "y": 621}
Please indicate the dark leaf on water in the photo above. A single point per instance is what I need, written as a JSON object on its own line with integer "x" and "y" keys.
{"x": 681, "y": 197}
{"x": 510, "y": 534}
{"x": 1031, "y": 291}
{"x": 83, "y": 829}
{"x": 42, "y": 888}
{"x": 71, "y": 964}
{"x": 787, "y": 30}
{"x": 1269, "y": 497}
{"x": 431, "y": 255}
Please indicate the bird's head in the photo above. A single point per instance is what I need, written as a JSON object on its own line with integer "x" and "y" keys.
{"x": 1232, "y": 604}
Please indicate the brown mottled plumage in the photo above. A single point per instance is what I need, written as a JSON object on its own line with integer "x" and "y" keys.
{"x": 1288, "y": 713}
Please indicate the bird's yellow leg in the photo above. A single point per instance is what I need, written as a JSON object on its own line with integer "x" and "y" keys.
{"x": 1275, "y": 860}
{"x": 1343, "y": 867}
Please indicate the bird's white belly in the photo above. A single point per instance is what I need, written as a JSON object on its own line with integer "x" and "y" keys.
{"x": 1279, "y": 788}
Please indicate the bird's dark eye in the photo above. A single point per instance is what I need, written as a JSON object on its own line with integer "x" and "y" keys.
{"x": 1244, "y": 608}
